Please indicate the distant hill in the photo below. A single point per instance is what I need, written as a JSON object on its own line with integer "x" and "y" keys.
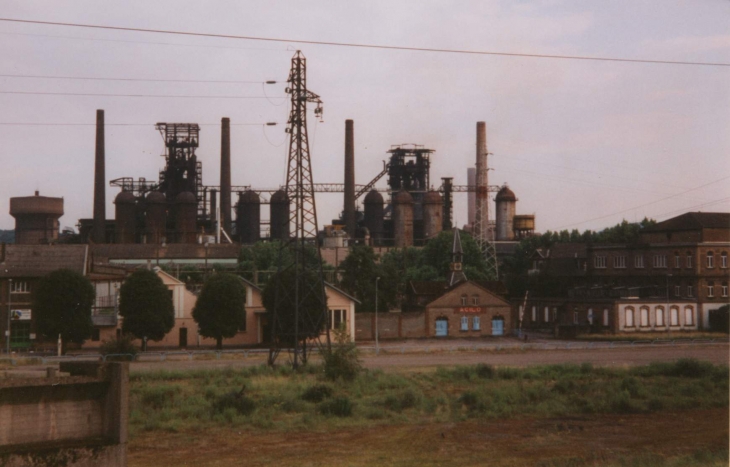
{"x": 7, "y": 236}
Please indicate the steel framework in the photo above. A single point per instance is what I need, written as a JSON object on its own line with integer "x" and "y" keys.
{"x": 308, "y": 291}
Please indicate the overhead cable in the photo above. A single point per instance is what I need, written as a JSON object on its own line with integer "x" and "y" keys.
{"x": 84, "y": 78}
{"x": 372, "y": 46}
{"x": 138, "y": 95}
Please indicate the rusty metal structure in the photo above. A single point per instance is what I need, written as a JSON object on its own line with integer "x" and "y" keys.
{"x": 308, "y": 288}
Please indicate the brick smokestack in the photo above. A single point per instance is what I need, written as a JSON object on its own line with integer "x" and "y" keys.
{"x": 225, "y": 174}
{"x": 350, "y": 221}
{"x": 481, "y": 216}
{"x": 99, "y": 224}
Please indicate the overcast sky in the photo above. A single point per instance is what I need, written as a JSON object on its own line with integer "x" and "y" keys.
{"x": 583, "y": 144}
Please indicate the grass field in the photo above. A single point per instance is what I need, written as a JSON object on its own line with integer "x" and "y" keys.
{"x": 661, "y": 414}
{"x": 650, "y": 336}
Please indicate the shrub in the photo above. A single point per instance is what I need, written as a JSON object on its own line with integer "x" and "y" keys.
{"x": 339, "y": 406}
{"x": 317, "y": 393}
{"x": 156, "y": 397}
{"x": 236, "y": 401}
{"x": 690, "y": 368}
{"x": 485, "y": 371}
{"x": 121, "y": 347}
{"x": 399, "y": 402}
{"x": 632, "y": 386}
{"x": 342, "y": 361}
{"x": 469, "y": 399}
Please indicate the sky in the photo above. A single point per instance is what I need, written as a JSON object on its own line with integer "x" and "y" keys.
{"x": 583, "y": 144}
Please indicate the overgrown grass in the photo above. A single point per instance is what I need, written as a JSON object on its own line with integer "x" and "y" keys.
{"x": 651, "y": 336}
{"x": 282, "y": 399}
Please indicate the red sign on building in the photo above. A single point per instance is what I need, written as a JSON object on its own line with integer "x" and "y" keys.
{"x": 469, "y": 309}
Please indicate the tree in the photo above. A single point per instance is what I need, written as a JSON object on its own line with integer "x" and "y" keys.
{"x": 312, "y": 318}
{"x": 145, "y": 303}
{"x": 62, "y": 304}
{"x": 359, "y": 271}
{"x": 220, "y": 310}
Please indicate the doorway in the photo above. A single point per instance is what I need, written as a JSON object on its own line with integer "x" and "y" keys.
{"x": 498, "y": 327}
{"x": 183, "y": 337}
{"x": 442, "y": 327}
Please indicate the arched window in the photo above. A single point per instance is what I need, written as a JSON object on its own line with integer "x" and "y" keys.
{"x": 605, "y": 316}
{"x": 710, "y": 289}
{"x": 677, "y": 260}
{"x": 547, "y": 314}
{"x": 724, "y": 289}
{"x": 674, "y": 316}
{"x": 659, "y": 316}
{"x": 475, "y": 300}
{"x": 464, "y": 298}
{"x": 464, "y": 323}
{"x": 534, "y": 314}
{"x": 710, "y": 260}
{"x": 723, "y": 259}
{"x": 689, "y": 259}
{"x": 629, "y": 318}
{"x": 689, "y": 316}
{"x": 644, "y": 312}
{"x": 590, "y": 316}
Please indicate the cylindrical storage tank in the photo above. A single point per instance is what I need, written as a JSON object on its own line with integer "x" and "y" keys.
{"x": 374, "y": 214}
{"x": 403, "y": 219}
{"x": 506, "y": 202}
{"x": 155, "y": 217}
{"x": 280, "y": 216}
{"x": 36, "y": 218}
{"x": 125, "y": 217}
{"x": 433, "y": 209}
{"x": 186, "y": 213}
{"x": 248, "y": 217}
{"x": 524, "y": 225}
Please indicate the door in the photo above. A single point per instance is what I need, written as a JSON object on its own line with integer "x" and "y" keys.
{"x": 497, "y": 327}
{"x": 183, "y": 337}
{"x": 442, "y": 327}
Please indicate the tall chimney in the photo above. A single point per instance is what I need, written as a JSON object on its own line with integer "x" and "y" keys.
{"x": 350, "y": 221}
{"x": 481, "y": 217}
{"x": 99, "y": 225}
{"x": 226, "y": 174}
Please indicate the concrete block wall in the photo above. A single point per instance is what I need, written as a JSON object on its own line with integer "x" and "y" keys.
{"x": 76, "y": 421}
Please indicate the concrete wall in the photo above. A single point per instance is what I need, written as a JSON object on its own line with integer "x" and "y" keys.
{"x": 390, "y": 326}
{"x": 74, "y": 421}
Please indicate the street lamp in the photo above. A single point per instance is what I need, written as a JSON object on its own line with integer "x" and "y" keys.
{"x": 10, "y": 308}
{"x": 377, "y": 346}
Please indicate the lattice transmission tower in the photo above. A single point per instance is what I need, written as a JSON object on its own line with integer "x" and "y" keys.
{"x": 482, "y": 232}
{"x": 300, "y": 313}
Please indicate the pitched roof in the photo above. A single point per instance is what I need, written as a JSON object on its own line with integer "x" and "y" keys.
{"x": 693, "y": 221}
{"x": 169, "y": 251}
{"x": 39, "y": 260}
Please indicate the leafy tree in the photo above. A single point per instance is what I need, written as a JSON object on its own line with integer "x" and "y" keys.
{"x": 145, "y": 303}
{"x": 359, "y": 271}
{"x": 437, "y": 253}
{"x": 220, "y": 309}
{"x": 312, "y": 311}
{"x": 259, "y": 261}
{"x": 62, "y": 304}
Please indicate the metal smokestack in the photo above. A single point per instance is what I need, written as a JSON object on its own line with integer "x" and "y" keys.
{"x": 99, "y": 224}
{"x": 226, "y": 174}
{"x": 350, "y": 221}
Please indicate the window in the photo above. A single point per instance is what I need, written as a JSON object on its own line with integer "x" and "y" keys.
{"x": 677, "y": 290}
{"x": 629, "y": 317}
{"x": 338, "y": 319}
{"x": 659, "y": 316}
{"x": 575, "y": 317}
{"x": 599, "y": 262}
{"x": 463, "y": 300}
{"x": 534, "y": 314}
{"x": 555, "y": 314}
{"x": 710, "y": 260}
{"x": 95, "y": 337}
{"x": 674, "y": 316}
{"x": 590, "y": 316}
{"x": 723, "y": 260}
{"x": 19, "y": 287}
{"x": 619, "y": 262}
{"x": 724, "y": 289}
{"x": 547, "y": 314}
{"x": 464, "y": 323}
{"x": 476, "y": 324}
{"x": 689, "y": 316}
{"x": 660, "y": 261}
{"x": 475, "y": 300}
{"x": 677, "y": 260}
{"x": 639, "y": 261}
{"x": 605, "y": 316}
{"x": 689, "y": 259}
{"x": 710, "y": 289}
{"x": 644, "y": 313}
{"x": 690, "y": 291}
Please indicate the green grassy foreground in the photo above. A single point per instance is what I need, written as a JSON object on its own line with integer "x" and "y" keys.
{"x": 280, "y": 399}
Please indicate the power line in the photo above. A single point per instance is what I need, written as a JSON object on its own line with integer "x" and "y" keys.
{"x": 126, "y": 124}
{"x": 138, "y": 79}
{"x": 646, "y": 204}
{"x": 136, "y": 95}
{"x": 669, "y": 213}
{"x": 371, "y": 46}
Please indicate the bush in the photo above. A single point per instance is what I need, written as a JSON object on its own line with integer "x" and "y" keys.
{"x": 235, "y": 400}
{"x": 157, "y": 397}
{"x": 342, "y": 361}
{"x": 485, "y": 371}
{"x": 317, "y": 393}
{"x": 339, "y": 406}
{"x": 399, "y": 402}
{"x": 121, "y": 347}
{"x": 691, "y": 368}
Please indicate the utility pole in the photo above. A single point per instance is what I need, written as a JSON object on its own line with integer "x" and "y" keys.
{"x": 10, "y": 310}
{"x": 377, "y": 346}
{"x": 309, "y": 279}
